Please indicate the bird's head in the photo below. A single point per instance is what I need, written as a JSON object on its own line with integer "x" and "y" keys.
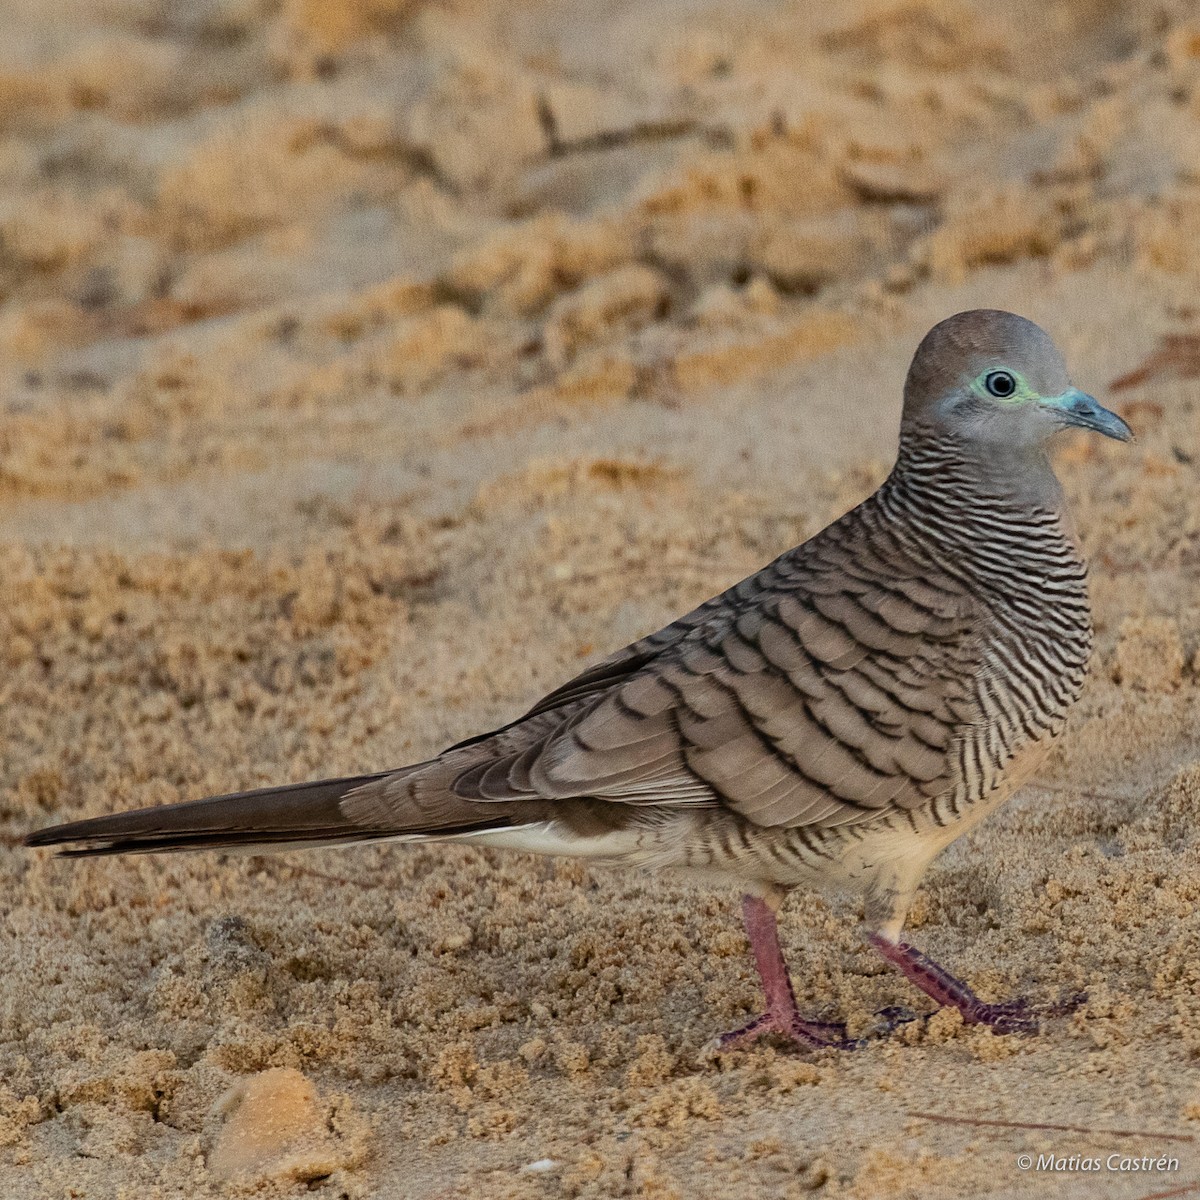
{"x": 996, "y": 380}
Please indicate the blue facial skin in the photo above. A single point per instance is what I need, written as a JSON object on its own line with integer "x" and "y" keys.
{"x": 1007, "y": 388}
{"x": 1086, "y": 412}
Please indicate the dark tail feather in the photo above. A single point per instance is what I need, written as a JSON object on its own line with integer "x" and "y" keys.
{"x": 299, "y": 814}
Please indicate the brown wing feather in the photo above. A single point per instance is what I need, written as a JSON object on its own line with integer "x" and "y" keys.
{"x": 810, "y": 694}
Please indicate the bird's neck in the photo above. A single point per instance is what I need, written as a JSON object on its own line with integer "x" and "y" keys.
{"x": 969, "y": 472}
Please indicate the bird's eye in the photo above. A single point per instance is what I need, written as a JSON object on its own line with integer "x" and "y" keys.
{"x": 1000, "y": 383}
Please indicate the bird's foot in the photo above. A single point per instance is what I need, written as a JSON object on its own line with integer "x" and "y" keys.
{"x": 1022, "y": 1010}
{"x": 1008, "y": 1016}
{"x": 782, "y": 1018}
{"x": 789, "y": 1025}
{"x": 1012, "y": 1016}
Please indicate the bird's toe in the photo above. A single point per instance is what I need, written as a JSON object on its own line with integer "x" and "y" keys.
{"x": 800, "y": 1032}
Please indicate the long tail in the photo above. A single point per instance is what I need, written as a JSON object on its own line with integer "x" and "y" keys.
{"x": 302, "y": 814}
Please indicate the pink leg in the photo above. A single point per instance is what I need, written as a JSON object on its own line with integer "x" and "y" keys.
{"x": 1016, "y": 1016}
{"x": 781, "y": 1016}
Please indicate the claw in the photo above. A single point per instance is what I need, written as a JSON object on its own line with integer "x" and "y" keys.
{"x": 1065, "y": 1005}
{"x": 894, "y": 1016}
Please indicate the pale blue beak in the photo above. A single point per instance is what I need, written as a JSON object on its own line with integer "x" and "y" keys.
{"x": 1078, "y": 408}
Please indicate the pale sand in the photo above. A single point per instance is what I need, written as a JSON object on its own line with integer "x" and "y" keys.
{"x": 369, "y": 368}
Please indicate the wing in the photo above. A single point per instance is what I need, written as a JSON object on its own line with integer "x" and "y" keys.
{"x": 821, "y": 691}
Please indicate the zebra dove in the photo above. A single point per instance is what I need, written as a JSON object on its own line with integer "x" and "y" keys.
{"x": 834, "y": 720}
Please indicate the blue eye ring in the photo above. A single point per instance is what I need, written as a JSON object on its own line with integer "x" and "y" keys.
{"x": 1000, "y": 384}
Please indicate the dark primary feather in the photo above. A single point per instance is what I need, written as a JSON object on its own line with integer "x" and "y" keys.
{"x": 289, "y": 813}
{"x": 302, "y": 814}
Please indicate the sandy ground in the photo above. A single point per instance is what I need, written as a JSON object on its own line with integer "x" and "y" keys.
{"x": 370, "y": 367}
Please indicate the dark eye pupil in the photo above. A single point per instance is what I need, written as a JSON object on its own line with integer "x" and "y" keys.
{"x": 1000, "y": 383}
